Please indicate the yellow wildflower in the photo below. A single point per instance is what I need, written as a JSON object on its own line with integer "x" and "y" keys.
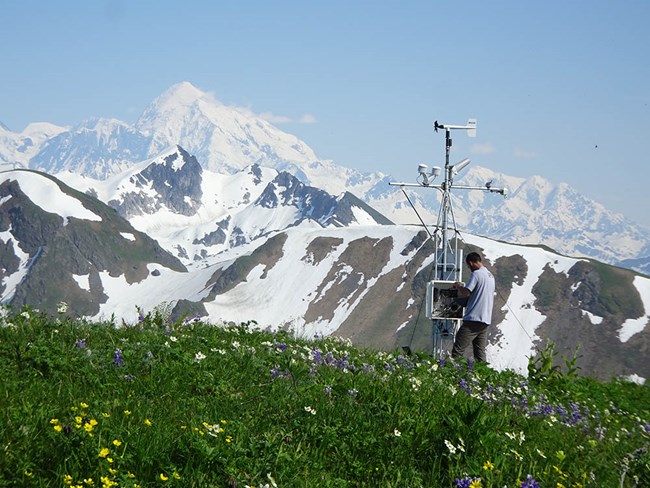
{"x": 176, "y": 476}
{"x": 54, "y": 421}
{"x": 89, "y": 481}
{"x": 112, "y": 471}
{"x": 104, "y": 452}
{"x": 58, "y": 428}
{"x": 88, "y": 427}
{"x": 127, "y": 412}
{"x": 83, "y": 405}
{"x": 130, "y": 474}
{"x": 163, "y": 477}
{"x": 117, "y": 443}
{"x": 488, "y": 466}
{"x": 67, "y": 479}
{"x": 106, "y": 415}
{"x": 475, "y": 484}
{"x": 148, "y": 422}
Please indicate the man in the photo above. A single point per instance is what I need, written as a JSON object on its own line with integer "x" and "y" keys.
{"x": 478, "y": 312}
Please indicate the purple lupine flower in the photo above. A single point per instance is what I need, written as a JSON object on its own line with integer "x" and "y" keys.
{"x": 530, "y": 483}
{"x": 118, "y": 360}
{"x": 280, "y": 346}
{"x": 470, "y": 365}
{"x": 441, "y": 362}
{"x": 353, "y": 392}
{"x": 275, "y": 373}
{"x": 465, "y": 386}
{"x": 81, "y": 344}
{"x": 465, "y": 482}
{"x": 328, "y": 390}
{"x": 317, "y": 356}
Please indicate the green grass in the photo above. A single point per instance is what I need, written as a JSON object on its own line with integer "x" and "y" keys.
{"x": 192, "y": 404}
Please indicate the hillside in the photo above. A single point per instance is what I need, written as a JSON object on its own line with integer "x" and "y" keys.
{"x": 364, "y": 282}
{"x": 195, "y": 404}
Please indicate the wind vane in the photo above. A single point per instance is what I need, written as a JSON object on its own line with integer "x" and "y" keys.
{"x": 441, "y": 298}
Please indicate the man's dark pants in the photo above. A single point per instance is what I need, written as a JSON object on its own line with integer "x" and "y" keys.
{"x": 471, "y": 333}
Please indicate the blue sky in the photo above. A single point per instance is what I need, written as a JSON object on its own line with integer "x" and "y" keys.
{"x": 560, "y": 89}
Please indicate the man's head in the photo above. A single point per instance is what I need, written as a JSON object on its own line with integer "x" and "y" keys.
{"x": 474, "y": 261}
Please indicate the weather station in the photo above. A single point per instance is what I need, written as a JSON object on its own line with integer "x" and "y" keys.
{"x": 443, "y": 306}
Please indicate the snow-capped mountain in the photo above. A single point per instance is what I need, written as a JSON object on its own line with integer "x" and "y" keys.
{"x": 227, "y": 139}
{"x": 196, "y": 214}
{"x": 535, "y": 212}
{"x": 18, "y": 149}
{"x": 366, "y": 283}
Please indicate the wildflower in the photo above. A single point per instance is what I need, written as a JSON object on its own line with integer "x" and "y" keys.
{"x": 106, "y": 415}
{"x": 58, "y": 428}
{"x": 467, "y": 483}
{"x": 89, "y": 481}
{"x": 117, "y": 443}
{"x": 54, "y": 421}
{"x": 112, "y": 471}
{"x": 198, "y": 357}
{"x": 488, "y": 466}
{"x": 127, "y": 412}
{"x": 163, "y": 477}
{"x": 88, "y": 427}
{"x": 397, "y": 433}
{"x": 173, "y": 339}
{"x": 25, "y": 314}
{"x": 148, "y": 422}
{"x": 176, "y": 476}
{"x": 62, "y": 307}
{"x": 104, "y": 452}
{"x": 118, "y": 360}
{"x": 530, "y": 483}
{"x": 310, "y": 410}
{"x": 228, "y": 439}
{"x": 67, "y": 479}
{"x": 28, "y": 473}
{"x": 83, "y": 405}
{"x": 560, "y": 455}
{"x": 450, "y": 446}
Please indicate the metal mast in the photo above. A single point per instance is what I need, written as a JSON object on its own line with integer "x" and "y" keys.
{"x": 441, "y": 305}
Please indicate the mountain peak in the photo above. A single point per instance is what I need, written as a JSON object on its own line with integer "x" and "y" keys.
{"x": 183, "y": 93}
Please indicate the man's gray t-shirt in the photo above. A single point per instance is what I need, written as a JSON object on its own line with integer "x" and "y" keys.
{"x": 481, "y": 298}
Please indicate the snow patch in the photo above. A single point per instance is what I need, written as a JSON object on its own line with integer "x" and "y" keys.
{"x": 46, "y": 194}
{"x": 634, "y": 326}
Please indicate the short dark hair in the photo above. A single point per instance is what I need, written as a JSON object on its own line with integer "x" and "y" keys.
{"x": 473, "y": 257}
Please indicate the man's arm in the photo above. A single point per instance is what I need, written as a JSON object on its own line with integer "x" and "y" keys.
{"x": 462, "y": 291}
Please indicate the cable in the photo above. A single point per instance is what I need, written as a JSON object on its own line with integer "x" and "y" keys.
{"x": 416, "y": 212}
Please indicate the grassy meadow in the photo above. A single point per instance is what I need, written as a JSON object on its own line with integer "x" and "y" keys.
{"x": 191, "y": 404}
